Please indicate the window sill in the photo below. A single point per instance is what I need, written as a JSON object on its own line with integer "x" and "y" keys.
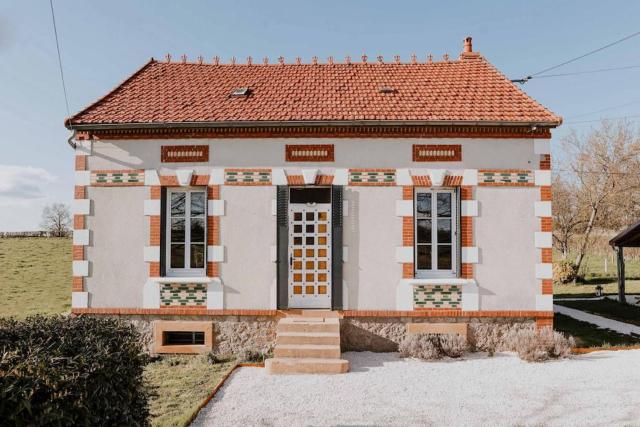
{"x": 441, "y": 281}
{"x": 195, "y": 279}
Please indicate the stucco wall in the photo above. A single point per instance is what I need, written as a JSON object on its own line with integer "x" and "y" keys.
{"x": 371, "y": 233}
{"x": 380, "y": 152}
{"x": 119, "y": 232}
{"x": 504, "y": 233}
{"x": 248, "y": 230}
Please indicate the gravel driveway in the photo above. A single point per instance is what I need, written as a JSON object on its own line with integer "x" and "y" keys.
{"x": 601, "y": 388}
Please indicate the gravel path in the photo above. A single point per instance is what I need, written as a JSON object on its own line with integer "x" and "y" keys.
{"x": 601, "y": 388}
{"x": 603, "y": 322}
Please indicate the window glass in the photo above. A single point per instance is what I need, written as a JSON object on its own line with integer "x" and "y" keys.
{"x": 435, "y": 241}
{"x": 187, "y": 231}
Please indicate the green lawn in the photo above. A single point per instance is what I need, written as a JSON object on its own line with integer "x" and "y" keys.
{"x": 607, "y": 308}
{"x": 35, "y": 276}
{"x": 178, "y": 385}
{"x": 588, "y": 335}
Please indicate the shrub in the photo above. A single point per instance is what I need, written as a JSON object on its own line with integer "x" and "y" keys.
{"x": 71, "y": 371}
{"x": 250, "y": 355}
{"x": 540, "y": 345}
{"x": 433, "y": 346}
{"x": 564, "y": 271}
{"x": 487, "y": 337}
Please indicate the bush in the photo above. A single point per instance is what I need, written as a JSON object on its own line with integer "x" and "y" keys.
{"x": 252, "y": 356}
{"x": 433, "y": 346}
{"x": 538, "y": 346}
{"x": 71, "y": 371}
{"x": 564, "y": 271}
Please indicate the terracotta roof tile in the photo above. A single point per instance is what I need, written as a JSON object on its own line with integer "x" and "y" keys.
{"x": 453, "y": 90}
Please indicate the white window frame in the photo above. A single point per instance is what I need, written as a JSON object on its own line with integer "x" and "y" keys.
{"x": 455, "y": 241}
{"x": 187, "y": 271}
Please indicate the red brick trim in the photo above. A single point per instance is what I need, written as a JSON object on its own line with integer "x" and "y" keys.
{"x": 155, "y": 192}
{"x": 213, "y": 230}
{"x": 437, "y": 153}
{"x": 408, "y": 268}
{"x": 81, "y": 163}
{"x": 466, "y": 231}
{"x": 295, "y": 180}
{"x": 438, "y": 313}
{"x": 546, "y": 322}
{"x": 547, "y": 287}
{"x": 546, "y": 223}
{"x": 77, "y": 284}
{"x": 154, "y": 269}
{"x": 449, "y": 313}
{"x": 172, "y": 180}
{"x": 545, "y": 193}
{"x": 309, "y": 153}
{"x": 78, "y": 222}
{"x": 184, "y": 153}
{"x": 546, "y": 255}
{"x": 324, "y": 180}
{"x": 154, "y": 230}
{"x": 466, "y": 192}
{"x": 407, "y": 192}
{"x": 80, "y": 192}
{"x": 545, "y": 161}
{"x": 78, "y": 253}
{"x": 421, "y": 180}
{"x": 452, "y": 181}
{"x": 364, "y": 131}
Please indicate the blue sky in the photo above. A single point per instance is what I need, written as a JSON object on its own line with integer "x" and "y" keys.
{"x": 103, "y": 42}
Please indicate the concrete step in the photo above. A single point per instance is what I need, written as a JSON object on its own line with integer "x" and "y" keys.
{"x": 327, "y": 338}
{"x": 307, "y": 351}
{"x": 287, "y": 365}
{"x": 308, "y": 324}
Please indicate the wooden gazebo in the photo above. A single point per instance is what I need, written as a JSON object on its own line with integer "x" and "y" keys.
{"x": 629, "y": 238}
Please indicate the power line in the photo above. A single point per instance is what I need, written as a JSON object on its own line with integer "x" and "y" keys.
{"x": 529, "y": 77}
{"x": 601, "y": 70}
{"x": 613, "y": 107}
{"x": 55, "y": 32}
{"x": 603, "y": 118}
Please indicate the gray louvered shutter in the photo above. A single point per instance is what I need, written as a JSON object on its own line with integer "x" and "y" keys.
{"x": 283, "y": 245}
{"x": 458, "y": 232}
{"x": 336, "y": 246}
{"x": 163, "y": 231}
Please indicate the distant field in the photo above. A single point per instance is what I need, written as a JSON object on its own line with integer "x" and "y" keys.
{"x": 35, "y": 276}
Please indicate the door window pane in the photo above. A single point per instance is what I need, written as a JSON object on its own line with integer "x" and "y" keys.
{"x": 197, "y": 203}
{"x": 197, "y": 256}
{"x": 177, "y": 204}
{"x": 423, "y": 204}
{"x": 177, "y": 256}
{"x": 444, "y": 204}
{"x": 444, "y": 230}
{"x": 444, "y": 257}
{"x": 424, "y": 257}
{"x": 424, "y": 231}
{"x": 197, "y": 229}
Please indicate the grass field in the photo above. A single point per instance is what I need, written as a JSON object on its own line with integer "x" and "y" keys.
{"x": 35, "y": 276}
{"x": 178, "y": 385}
{"x": 588, "y": 335}
{"x": 607, "y": 308}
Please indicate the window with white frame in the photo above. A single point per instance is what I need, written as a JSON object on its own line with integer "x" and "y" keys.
{"x": 436, "y": 233}
{"x": 186, "y": 232}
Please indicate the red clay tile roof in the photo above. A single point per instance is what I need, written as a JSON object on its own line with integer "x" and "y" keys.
{"x": 464, "y": 90}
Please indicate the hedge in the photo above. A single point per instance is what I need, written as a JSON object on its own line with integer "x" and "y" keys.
{"x": 57, "y": 370}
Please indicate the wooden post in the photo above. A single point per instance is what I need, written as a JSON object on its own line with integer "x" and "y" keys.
{"x": 621, "y": 293}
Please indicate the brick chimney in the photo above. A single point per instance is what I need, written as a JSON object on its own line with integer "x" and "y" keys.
{"x": 467, "y": 52}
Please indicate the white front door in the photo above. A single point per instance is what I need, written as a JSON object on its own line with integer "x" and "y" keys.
{"x": 310, "y": 255}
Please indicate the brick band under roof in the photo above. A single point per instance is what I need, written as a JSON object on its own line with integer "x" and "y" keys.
{"x": 464, "y": 90}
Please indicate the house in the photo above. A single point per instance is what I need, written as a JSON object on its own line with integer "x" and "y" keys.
{"x": 212, "y": 199}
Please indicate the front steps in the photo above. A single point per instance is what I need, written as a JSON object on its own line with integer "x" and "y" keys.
{"x": 307, "y": 345}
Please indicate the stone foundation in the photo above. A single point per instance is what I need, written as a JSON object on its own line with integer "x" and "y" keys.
{"x": 231, "y": 334}
{"x": 384, "y": 334}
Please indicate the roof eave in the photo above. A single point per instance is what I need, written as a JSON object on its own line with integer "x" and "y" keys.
{"x": 313, "y": 123}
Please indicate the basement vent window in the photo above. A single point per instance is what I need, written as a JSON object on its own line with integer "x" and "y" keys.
{"x": 241, "y": 91}
{"x": 387, "y": 89}
{"x": 182, "y": 338}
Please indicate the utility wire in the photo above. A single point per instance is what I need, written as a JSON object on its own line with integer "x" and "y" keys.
{"x": 601, "y": 70}
{"x": 55, "y": 32}
{"x": 613, "y": 107}
{"x": 603, "y": 118}
{"x": 529, "y": 77}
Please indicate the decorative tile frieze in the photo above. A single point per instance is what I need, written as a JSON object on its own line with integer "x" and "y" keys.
{"x": 372, "y": 177}
{"x": 247, "y": 176}
{"x": 506, "y": 177}
{"x": 437, "y": 296}
{"x": 183, "y": 294}
{"x": 309, "y": 153}
{"x": 117, "y": 178}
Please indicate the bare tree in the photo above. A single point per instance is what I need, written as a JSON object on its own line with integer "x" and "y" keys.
{"x": 56, "y": 219}
{"x": 604, "y": 165}
{"x": 569, "y": 216}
